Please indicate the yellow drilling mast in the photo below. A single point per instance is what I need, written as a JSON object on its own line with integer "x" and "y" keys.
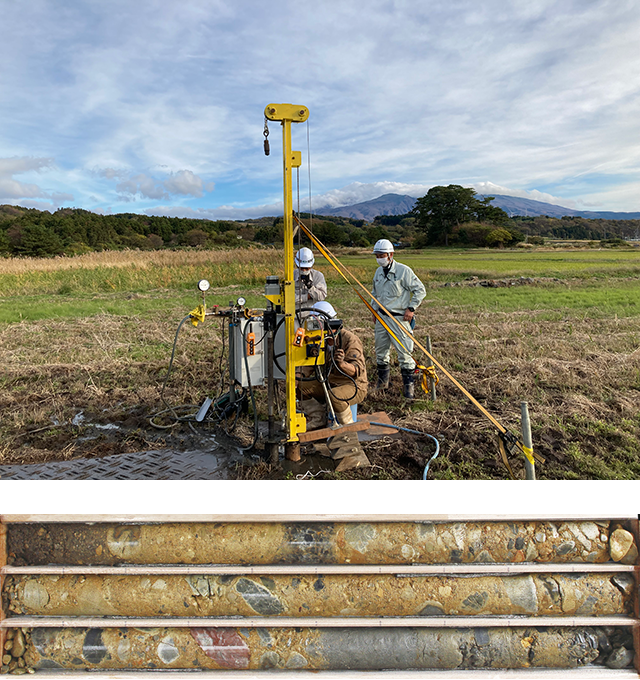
{"x": 295, "y": 422}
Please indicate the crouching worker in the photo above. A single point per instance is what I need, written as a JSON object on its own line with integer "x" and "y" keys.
{"x": 344, "y": 373}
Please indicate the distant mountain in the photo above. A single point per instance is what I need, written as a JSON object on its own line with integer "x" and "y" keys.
{"x": 388, "y": 204}
{"x": 397, "y": 204}
{"x": 513, "y": 205}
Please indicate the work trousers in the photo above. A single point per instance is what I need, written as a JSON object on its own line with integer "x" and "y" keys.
{"x": 314, "y": 389}
{"x": 384, "y": 342}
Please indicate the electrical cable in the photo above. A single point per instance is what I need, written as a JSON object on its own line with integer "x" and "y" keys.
{"x": 173, "y": 352}
{"x": 275, "y": 356}
{"x": 424, "y": 434}
{"x": 339, "y": 370}
{"x": 334, "y": 336}
{"x": 221, "y": 412}
{"x": 172, "y": 409}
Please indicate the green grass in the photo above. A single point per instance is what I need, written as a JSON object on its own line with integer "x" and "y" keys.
{"x": 34, "y": 307}
{"x": 597, "y": 283}
{"x": 593, "y": 300}
{"x": 459, "y": 264}
{"x": 596, "y": 298}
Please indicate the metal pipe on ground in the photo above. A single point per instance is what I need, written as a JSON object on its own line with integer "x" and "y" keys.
{"x": 308, "y": 542}
{"x": 316, "y": 648}
{"x": 342, "y": 595}
{"x": 529, "y": 465}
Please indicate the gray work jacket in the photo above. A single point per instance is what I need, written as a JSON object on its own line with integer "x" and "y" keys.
{"x": 317, "y": 290}
{"x": 398, "y": 289}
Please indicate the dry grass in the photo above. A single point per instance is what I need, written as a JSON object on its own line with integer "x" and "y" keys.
{"x": 137, "y": 258}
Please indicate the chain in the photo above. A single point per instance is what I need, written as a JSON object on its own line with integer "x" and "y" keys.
{"x": 266, "y": 137}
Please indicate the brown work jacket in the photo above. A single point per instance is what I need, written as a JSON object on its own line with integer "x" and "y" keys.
{"x": 354, "y": 355}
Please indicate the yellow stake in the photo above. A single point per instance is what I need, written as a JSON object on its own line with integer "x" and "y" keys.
{"x": 287, "y": 114}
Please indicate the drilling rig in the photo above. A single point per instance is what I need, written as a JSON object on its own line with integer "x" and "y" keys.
{"x": 268, "y": 345}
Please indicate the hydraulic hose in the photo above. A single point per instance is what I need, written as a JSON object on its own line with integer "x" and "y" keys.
{"x": 251, "y": 394}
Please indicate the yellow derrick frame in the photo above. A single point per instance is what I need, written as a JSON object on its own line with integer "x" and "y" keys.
{"x": 295, "y": 356}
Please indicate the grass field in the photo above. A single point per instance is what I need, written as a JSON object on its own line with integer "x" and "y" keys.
{"x": 94, "y": 334}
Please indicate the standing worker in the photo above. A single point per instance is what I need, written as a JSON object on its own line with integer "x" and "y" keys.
{"x": 400, "y": 291}
{"x": 310, "y": 284}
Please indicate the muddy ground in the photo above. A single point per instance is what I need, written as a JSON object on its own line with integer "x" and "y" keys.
{"x": 90, "y": 387}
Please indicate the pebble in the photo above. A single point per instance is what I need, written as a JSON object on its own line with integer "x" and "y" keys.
{"x": 19, "y": 647}
{"x": 632, "y": 556}
{"x": 620, "y": 658}
{"x": 590, "y": 530}
{"x": 620, "y": 542}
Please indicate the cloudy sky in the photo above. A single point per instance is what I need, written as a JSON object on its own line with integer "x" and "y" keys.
{"x": 157, "y": 106}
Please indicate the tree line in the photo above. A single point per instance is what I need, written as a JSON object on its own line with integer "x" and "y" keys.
{"x": 445, "y": 216}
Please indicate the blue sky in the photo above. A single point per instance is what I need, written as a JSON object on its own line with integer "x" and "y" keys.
{"x": 157, "y": 106}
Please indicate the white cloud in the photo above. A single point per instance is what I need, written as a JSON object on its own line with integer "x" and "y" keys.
{"x": 17, "y": 166}
{"x": 13, "y": 190}
{"x": 186, "y": 183}
{"x": 489, "y": 189}
{"x": 223, "y": 212}
{"x": 141, "y": 184}
{"x": 358, "y": 192}
{"x": 110, "y": 173}
{"x": 10, "y": 188}
{"x": 181, "y": 183}
{"x": 538, "y": 95}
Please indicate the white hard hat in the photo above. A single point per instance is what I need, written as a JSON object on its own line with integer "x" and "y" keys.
{"x": 325, "y": 309}
{"x": 383, "y": 246}
{"x": 304, "y": 258}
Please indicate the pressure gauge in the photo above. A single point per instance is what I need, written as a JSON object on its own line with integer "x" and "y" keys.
{"x": 203, "y": 285}
{"x": 241, "y": 302}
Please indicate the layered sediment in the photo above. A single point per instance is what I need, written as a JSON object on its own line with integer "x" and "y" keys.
{"x": 312, "y": 648}
{"x": 331, "y": 595}
{"x": 308, "y": 543}
{"x": 252, "y": 606}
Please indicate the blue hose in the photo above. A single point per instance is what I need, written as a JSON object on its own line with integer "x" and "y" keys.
{"x": 424, "y": 434}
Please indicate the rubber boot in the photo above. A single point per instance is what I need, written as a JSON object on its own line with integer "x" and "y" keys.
{"x": 383, "y": 376}
{"x": 344, "y": 417}
{"x": 408, "y": 383}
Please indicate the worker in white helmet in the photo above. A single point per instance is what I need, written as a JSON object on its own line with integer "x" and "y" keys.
{"x": 400, "y": 291}
{"x": 344, "y": 371}
{"x": 310, "y": 284}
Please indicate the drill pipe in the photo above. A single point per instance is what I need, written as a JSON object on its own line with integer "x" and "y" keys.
{"x": 311, "y": 648}
{"x": 307, "y": 543}
{"x": 319, "y": 595}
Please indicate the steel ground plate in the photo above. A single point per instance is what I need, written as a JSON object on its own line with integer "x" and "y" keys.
{"x": 150, "y": 465}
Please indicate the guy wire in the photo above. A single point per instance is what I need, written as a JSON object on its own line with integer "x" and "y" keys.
{"x": 309, "y": 173}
